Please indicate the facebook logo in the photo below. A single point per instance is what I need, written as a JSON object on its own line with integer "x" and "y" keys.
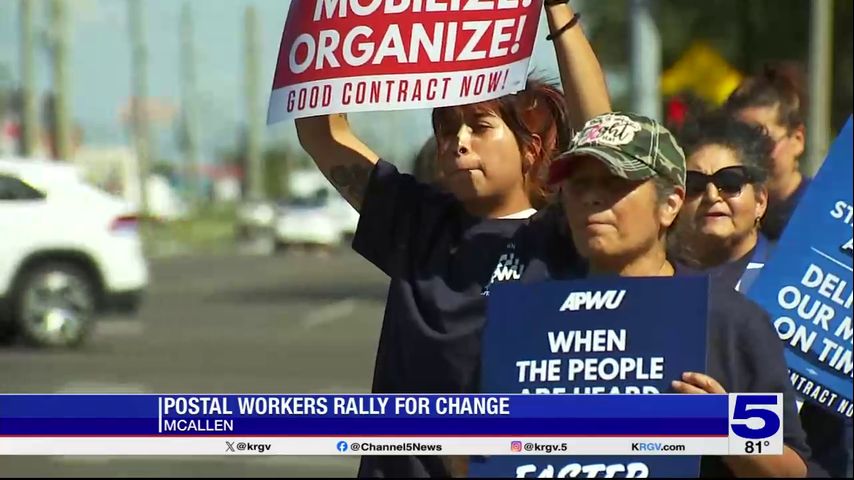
{"x": 342, "y": 446}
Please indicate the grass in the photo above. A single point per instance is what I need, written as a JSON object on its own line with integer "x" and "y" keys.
{"x": 208, "y": 230}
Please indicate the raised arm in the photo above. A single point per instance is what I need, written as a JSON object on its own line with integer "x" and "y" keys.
{"x": 339, "y": 154}
{"x": 580, "y": 73}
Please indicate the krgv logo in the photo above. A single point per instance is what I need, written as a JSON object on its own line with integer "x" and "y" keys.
{"x": 609, "y": 300}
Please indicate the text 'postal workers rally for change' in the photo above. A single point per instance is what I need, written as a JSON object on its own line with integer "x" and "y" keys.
{"x": 342, "y": 54}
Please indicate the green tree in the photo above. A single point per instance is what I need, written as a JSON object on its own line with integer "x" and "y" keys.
{"x": 279, "y": 162}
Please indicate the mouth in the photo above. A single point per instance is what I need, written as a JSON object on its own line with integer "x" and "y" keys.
{"x": 462, "y": 170}
{"x": 595, "y": 226}
{"x": 715, "y": 215}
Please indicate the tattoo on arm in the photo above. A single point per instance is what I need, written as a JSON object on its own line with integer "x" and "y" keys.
{"x": 351, "y": 181}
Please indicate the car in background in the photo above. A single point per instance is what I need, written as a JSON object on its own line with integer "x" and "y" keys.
{"x": 314, "y": 214}
{"x": 322, "y": 220}
{"x": 68, "y": 251}
{"x": 345, "y": 215}
{"x": 255, "y": 219}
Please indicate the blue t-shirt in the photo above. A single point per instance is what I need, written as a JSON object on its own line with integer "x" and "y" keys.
{"x": 743, "y": 272}
{"x": 441, "y": 263}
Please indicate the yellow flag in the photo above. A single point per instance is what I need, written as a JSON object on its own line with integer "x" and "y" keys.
{"x": 703, "y": 71}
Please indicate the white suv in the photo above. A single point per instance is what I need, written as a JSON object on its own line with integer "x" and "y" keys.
{"x": 325, "y": 219}
{"x": 316, "y": 214}
{"x": 67, "y": 252}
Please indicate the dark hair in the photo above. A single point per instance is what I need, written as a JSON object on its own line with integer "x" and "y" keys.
{"x": 664, "y": 187}
{"x": 779, "y": 85}
{"x": 538, "y": 110}
{"x": 752, "y": 147}
{"x": 751, "y": 144}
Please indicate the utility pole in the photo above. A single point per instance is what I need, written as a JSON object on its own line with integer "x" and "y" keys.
{"x": 62, "y": 115}
{"x": 139, "y": 117}
{"x": 189, "y": 105}
{"x": 254, "y": 165}
{"x": 820, "y": 84}
{"x": 645, "y": 44}
{"x": 29, "y": 109}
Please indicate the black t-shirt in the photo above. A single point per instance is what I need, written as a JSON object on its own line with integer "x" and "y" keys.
{"x": 441, "y": 263}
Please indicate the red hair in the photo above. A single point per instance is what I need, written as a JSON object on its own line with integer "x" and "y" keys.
{"x": 537, "y": 111}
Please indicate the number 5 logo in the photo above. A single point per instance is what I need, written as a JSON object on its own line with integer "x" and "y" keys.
{"x": 748, "y": 407}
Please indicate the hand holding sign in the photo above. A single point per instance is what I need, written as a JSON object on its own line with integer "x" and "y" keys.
{"x": 593, "y": 337}
{"x": 359, "y": 55}
{"x": 693, "y": 382}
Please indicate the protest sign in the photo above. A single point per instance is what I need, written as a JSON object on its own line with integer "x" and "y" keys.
{"x": 339, "y": 56}
{"x": 806, "y": 285}
{"x": 594, "y": 336}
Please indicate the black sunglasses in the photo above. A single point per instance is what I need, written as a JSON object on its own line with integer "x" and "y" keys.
{"x": 729, "y": 181}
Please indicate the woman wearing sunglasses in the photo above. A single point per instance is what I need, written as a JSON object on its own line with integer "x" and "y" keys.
{"x": 725, "y": 199}
{"x": 719, "y": 229}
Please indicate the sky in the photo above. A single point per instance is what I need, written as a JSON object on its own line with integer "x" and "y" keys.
{"x": 100, "y": 72}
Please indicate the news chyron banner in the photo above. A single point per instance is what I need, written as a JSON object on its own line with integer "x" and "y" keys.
{"x": 496, "y": 425}
{"x": 806, "y": 286}
{"x": 339, "y": 56}
{"x": 596, "y": 336}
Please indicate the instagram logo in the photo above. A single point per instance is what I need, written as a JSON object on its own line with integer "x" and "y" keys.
{"x": 516, "y": 446}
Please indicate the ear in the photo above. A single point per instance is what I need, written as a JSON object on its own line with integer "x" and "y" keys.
{"x": 798, "y": 138}
{"x": 669, "y": 209}
{"x": 761, "y": 201}
{"x": 533, "y": 154}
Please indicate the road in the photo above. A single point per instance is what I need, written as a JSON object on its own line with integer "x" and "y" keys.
{"x": 290, "y": 323}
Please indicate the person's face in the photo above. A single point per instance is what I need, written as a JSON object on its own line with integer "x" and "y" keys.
{"x": 610, "y": 217}
{"x": 479, "y": 157}
{"x": 788, "y": 145}
{"x": 726, "y": 213}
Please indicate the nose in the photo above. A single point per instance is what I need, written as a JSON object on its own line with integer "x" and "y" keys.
{"x": 590, "y": 197}
{"x": 712, "y": 193}
{"x": 463, "y": 140}
{"x": 586, "y": 195}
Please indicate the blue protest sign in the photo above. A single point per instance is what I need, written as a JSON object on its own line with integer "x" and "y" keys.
{"x": 806, "y": 285}
{"x": 593, "y": 336}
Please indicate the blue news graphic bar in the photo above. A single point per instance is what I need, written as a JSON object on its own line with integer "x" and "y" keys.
{"x": 521, "y": 406}
{"x": 582, "y": 415}
{"x": 437, "y": 426}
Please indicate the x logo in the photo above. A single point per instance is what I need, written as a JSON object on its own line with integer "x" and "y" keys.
{"x": 229, "y": 446}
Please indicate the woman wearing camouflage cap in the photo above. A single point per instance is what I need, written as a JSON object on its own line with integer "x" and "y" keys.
{"x": 622, "y": 185}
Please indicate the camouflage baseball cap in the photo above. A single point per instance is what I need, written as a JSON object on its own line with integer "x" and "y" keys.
{"x": 631, "y": 146}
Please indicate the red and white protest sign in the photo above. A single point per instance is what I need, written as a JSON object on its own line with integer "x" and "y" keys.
{"x": 341, "y": 56}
